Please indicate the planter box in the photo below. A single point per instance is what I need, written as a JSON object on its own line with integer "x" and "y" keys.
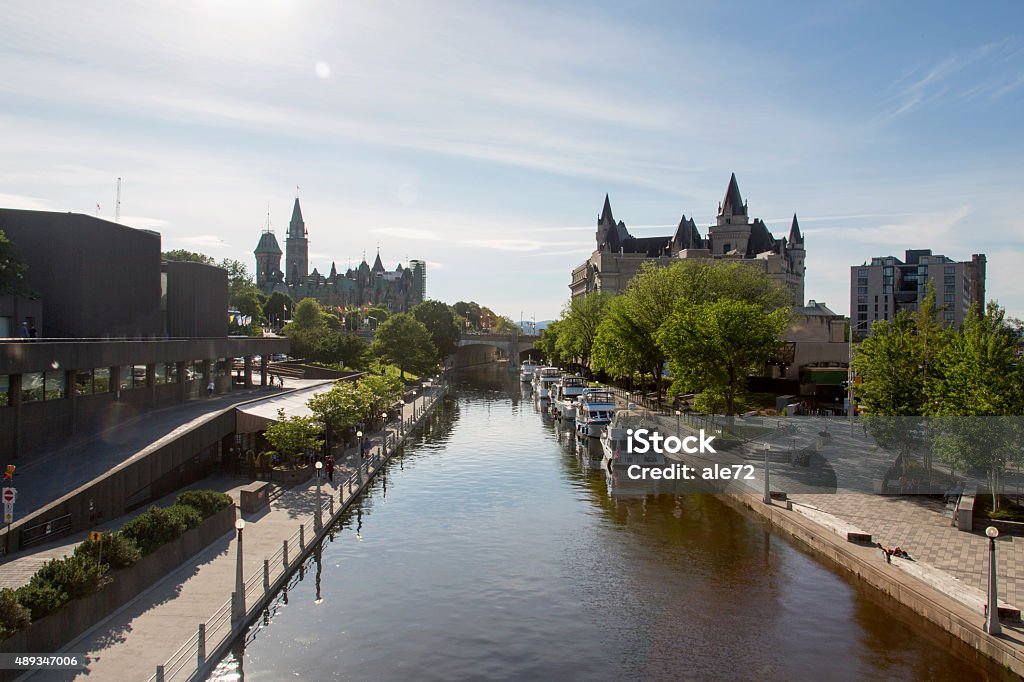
{"x": 292, "y": 476}
{"x": 50, "y": 633}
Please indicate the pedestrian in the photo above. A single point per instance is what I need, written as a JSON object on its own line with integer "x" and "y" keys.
{"x": 330, "y": 468}
{"x": 33, "y": 332}
{"x": 23, "y": 332}
{"x": 366, "y": 445}
{"x": 362, "y": 448}
{"x": 209, "y": 389}
{"x": 280, "y": 381}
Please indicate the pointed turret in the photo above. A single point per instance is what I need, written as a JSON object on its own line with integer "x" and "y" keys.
{"x": 795, "y": 237}
{"x": 732, "y": 204}
{"x": 334, "y": 272}
{"x": 606, "y": 212}
{"x": 268, "y": 244}
{"x": 297, "y": 226}
{"x": 378, "y": 266}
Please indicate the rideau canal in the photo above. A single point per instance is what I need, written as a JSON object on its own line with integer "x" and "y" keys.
{"x": 487, "y": 550}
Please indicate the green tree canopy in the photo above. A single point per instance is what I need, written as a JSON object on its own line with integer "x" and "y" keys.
{"x": 188, "y": 256}
{"x": 580, "y": 320}
{"x": 278, "y": 308}
{"x": 380, "y": 392}
{"x": 715, "y": 346}
{"x": 340, "y": 408}
{"x": 405, "y": 342}
{"x": 293, "y": 436}
{"x": 439, "y": 320}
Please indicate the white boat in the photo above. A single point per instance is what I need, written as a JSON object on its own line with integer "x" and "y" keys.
{"x": 615, "y": 446}
{"x": 566, "y": 393}
{"x": 526, "y": 371}
{"x": 594, "y": 411}
{"x": 549, "y": 376}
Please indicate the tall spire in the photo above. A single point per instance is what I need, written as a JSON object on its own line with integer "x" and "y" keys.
{"x": 795, "y": 237}
{"x": 297, "y": 226}
{"x": 733, "y": 202}
{"x": 378, "y": 266}
{"x": 606, "y": 212}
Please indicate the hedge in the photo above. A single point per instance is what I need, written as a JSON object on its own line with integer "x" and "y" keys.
{"x": 61, "y": 580}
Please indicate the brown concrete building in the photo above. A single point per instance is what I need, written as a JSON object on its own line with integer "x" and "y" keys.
{"x": 888, "y": 285}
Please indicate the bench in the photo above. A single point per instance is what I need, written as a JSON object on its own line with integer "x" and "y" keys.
{"x": 841, "y": 528}
{"x": 254, "y": 497}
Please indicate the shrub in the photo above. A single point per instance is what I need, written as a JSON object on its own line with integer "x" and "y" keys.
{"x": 185, "y": 514}
{"x": 153, "y": 528}
{"x": 119, "y": 550}
{"x": 208, "y": 502}
{"x": 76, "y": 576}
{"x": 13, "y": 616}
{"x": 40, "y": 599}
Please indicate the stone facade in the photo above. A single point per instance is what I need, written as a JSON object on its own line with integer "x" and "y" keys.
{"x": 397, "y": 290}
{"x": 734, "y": 236}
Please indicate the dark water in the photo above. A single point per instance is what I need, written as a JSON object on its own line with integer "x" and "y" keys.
{"x": 487, "y": 551}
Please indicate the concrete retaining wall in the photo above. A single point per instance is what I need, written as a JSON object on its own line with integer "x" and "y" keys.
{"x": 50, "y": 633}
{"x": 866, "y": 563}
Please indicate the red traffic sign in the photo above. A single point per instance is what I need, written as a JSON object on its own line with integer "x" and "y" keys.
{"x": 9, "y": 495}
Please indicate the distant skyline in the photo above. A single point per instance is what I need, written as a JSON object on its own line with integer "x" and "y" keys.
{"x": 482, "y": 137}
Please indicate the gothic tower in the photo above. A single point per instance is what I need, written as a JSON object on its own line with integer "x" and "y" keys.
{"x": 297, "y": 246}
{"x": 797, "y": 253}
{"x": 268, "y": 259}
{"x": 732, "y": 229}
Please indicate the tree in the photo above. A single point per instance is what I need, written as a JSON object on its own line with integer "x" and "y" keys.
{"x": 581, "y": 318}
{"x": 548, "y": 343}
{"x": 239, "y": 279}
{"x": 405, "y": 342}
{"x": 616, "y": 349}
{"x": 470, "y": 311}
{"x": 340, "y": 408}
{"x": 978, "y": 395}
{"x": 308, "y": 314}
{"x": 352, "y": 351}
{"x": 278, "y": 308}
{"x": 380, "y": 392}
{"x": 504, "y": 325}
{"x": 249, "y": 302}
{"x": 714, "y": 346}
{"x": 12, "y": 269}
{"x": 293, "y": 436}
{"x": 439, "y": 320}
{"x": 188, "y": 256}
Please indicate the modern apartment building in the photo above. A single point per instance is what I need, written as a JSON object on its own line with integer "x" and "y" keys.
{"x": 888, "y": 285}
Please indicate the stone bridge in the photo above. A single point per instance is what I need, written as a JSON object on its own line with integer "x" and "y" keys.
{"x": 511, "y": 346}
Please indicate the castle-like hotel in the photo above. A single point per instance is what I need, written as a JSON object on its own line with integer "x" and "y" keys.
{"x": 397, "y": 290}
{"x": 619, "y": 255}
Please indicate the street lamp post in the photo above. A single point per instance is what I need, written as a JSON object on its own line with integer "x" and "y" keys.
{"x": 414, "y": 406}
{"x": 767, "y": 488}
{"x": 239, "y": 576}
{"x": 678, "y": 431}
{"x": 359, "y": 440}
{"x": 992, "y": 625}
{"x": 318, "y": 520}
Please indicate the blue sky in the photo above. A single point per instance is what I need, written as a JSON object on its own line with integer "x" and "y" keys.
{"x": 482, "y": 137}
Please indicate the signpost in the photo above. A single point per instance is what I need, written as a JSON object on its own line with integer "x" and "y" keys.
{"x": 8, "y": 497}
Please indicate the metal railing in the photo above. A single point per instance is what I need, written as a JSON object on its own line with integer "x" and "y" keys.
{"x": 191, "y": 657}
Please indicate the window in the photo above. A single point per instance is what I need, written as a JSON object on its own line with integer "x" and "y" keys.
{"x": 862, "y": 290}
{"x": 948, "y": 298}
{"x": 862, "y": 281}
{"x": 950, "y": 288}
{"x": 949, "y": 316}
{"x": 125, "y": 381}
{"x": 83, "y": 382}
{"x": 862, "y": 272}
{"x": 726, "y": 247}
{"x": 5, "y": 390}
{"x": 197, "y": 370}
{"x": 160, "y": 373}
{"x": 949, "y": 279}
{"x": 887, "y": 271}
{"x": 949, "y": 269}
{"x": 171, "y": 372}
{"x": 139, "y": 376}
{"x": 862, "y": 308}
{"x": 223, "y": 367}
{"x": 31, "y": 387}
{"x": 101, "y": 380}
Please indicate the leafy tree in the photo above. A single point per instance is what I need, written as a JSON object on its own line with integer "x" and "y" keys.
{"x": 340, "y": 408}
{"x": 581, "y": 318}
{"x": 470, "y": 311}
{"x": 404, "y": 341}
{"x": 352, "y": 351}
{"x": 239, "y": 278}
{"x": 293, "y": 436}
{"x": 308, "y": 314}
{"x": 12, "y": 269}
{"x": 249, "y": 302}
{"x": 548, "y": 343}
{"x": 504, "y": 325}
{"x": 979, "y": 383}
{"x": 714, "y": 346}
{"x": 439, "y": 320}
{"x": 380, "y": 392}
{"x": 278, "y": 308}
{"x": 188, "y": 256}
{"x": 616, "y": 349}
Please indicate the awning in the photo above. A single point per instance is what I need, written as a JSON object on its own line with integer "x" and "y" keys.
{"x": 254, "y": 417}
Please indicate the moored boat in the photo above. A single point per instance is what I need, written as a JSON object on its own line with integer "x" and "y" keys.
{"x": 594, "y": 411}
{"x": 566, "y": 393}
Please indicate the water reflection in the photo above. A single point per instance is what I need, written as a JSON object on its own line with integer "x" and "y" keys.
{"x": 501, "y": 553}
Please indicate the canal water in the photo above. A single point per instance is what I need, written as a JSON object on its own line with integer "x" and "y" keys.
{"x": 489, "y": 550}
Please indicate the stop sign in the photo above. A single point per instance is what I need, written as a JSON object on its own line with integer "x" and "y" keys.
{"x": 8, "y": 495}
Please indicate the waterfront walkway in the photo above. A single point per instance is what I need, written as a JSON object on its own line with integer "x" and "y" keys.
{"x": 149, "y": 630}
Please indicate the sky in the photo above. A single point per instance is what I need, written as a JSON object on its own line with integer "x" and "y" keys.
{"x": 482, "y": 137}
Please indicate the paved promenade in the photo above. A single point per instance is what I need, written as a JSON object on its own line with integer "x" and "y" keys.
{"x": 148, "y": 630}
